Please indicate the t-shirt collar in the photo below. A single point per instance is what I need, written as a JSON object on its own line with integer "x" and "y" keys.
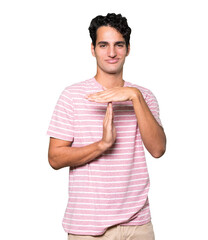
{"x": 101, "y": 86}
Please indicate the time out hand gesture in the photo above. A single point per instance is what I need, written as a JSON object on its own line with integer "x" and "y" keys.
{"x": 117, "y": 94}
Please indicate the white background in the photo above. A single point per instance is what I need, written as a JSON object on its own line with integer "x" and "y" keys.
{"x": 44, "y": 47}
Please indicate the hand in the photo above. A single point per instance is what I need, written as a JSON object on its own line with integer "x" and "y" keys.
{"x": 109, "y": 130}
{"x": 117, "y": 94}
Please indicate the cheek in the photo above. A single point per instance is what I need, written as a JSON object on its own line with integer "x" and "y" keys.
{"x": 99, "y": 54}
{"x": 100, "y": 57}
{"x": 122, "y": 52}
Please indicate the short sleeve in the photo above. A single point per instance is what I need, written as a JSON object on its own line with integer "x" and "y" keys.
{"x": 61, "y": 124}
{"x": 153, "y": 106}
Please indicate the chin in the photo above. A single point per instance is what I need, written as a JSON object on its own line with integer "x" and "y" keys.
{"x": 113, "y": 71}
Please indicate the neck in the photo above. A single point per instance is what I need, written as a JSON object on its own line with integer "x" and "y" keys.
{"x": 110, "y": 80}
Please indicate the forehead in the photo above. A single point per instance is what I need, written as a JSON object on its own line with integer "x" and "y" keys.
{"x": 108, "y": 34}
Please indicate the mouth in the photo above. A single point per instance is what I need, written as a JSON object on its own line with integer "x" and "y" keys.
{"x": 112, "y": 61}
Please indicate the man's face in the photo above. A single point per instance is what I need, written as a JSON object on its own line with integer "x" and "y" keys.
{"x": 110, "y": 50}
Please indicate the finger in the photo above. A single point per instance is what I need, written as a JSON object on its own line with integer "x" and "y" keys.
{"x": 105, "y": 92}
{"x": 110, "y": 112}
{"x": 99, "y": 94}
{"x": 100, "y": 100}
{"x": 110, "y": 108}
{"x": 107, "y": 97}
{"x": 108, "y": 116}
{"x": 91, "y": 95}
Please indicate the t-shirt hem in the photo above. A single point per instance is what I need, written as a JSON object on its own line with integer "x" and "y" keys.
{"x": 103, "y": 232}
{"x": 136, "y": 224}
{"x": 57, "y": 136}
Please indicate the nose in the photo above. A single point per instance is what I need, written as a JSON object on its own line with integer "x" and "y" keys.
{"x": 111, "y": 52}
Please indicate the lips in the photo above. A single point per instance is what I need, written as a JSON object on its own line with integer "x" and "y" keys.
{"x": 112, "y": 61}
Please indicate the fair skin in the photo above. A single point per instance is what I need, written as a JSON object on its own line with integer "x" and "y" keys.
{"x": 110, "y": 53}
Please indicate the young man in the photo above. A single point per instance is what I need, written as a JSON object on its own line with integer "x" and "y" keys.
{"x": 98, "y": 129}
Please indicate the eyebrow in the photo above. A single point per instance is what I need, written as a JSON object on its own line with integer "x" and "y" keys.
{"x": 102, "y": 42}
{"x": 116, "y": 43}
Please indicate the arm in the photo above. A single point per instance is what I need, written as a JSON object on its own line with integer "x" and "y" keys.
{"x": 61, "y": 154}
{"x": 152, "y": 133}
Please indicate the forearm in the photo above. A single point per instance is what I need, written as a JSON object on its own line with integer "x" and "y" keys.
{"x": 152, "y": 133}
{"x": 66, "y": 156}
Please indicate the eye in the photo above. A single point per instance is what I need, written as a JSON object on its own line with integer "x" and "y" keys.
{"x": 102, "y": 45}
{"x": 120, "y": 45}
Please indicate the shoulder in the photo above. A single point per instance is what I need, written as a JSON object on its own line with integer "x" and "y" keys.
{"x": 77, "y": 88}
{"x": 83, "y": 85}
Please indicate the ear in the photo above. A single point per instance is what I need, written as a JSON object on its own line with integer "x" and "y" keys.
{"x": 92, "y": 50}
{"x": 128, "y": 50}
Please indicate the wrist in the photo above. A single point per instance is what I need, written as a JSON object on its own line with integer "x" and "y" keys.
{"x": 136, "y": 94}
{"x": 103, "y": 146}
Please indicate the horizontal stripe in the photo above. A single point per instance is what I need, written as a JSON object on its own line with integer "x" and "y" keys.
{"x": 105, "y": 198}
{"x": 108, "y": 193}
{"x": 106, "y": 187}
{"x": 110, "y": 190}
{"x": 60, "y": 135}
{"x": 103, "y": 207}
{"x": 101, "y": 181}
{"x": 113, "y": 163}
{"x": 85, "y": 221}
{"x": 113, "y": 171}
{"x": 61, "y": 130}
{"x": 110, "y": 176}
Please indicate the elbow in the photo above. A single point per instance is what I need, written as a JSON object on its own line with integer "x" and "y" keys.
{"x": 159, "y": 149}
{"x": 159, "y": 152}
{"x": 53, "y": 162}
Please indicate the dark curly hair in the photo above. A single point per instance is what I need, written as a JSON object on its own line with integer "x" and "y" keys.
{"x": 113, "y": 20}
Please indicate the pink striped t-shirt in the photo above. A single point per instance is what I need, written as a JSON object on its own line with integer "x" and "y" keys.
{"x": 113, "y": 188}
